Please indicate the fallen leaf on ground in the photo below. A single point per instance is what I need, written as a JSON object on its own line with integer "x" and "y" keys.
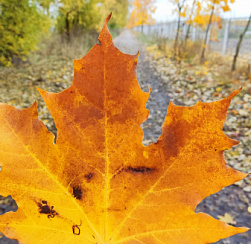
{"x": 249, "y": 209}
{"x": 227, "y": 218}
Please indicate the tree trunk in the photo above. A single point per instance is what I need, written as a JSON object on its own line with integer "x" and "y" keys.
{"x": 202, "y": 57}
{"x": 67, "y": 27}
{"x": 177, "y": 33}
{"x": 239, "y": 44}
{"x": 189, "y": 25}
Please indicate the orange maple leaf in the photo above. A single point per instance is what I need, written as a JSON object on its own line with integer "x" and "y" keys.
{"x": 98, "y": 183}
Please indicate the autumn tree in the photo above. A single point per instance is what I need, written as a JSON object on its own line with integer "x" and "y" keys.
{"x": 180, "y": 8}
{"x": 195, "y": 2}
{"x": 211, "y": 6}
{"x": 78, "y": 14}
{"x": 239, "y": 43}
{"x": 21, "y": 24}
{"x": 142, "y": 13}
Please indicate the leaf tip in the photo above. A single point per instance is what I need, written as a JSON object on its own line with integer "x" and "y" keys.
{"x": 41, "y": 92}
{"x": 242, "y": 229}
{"x": 33, "y": 109}
{"x": 105, "y": 36}
{"x": 149, "y": 89}
{"x": 108, "y": 18}
{"x": 34, "y": 105}
{"x": 234, "y": 93}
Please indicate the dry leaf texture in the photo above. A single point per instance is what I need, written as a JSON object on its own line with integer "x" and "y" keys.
{"x": 98, "y": 183}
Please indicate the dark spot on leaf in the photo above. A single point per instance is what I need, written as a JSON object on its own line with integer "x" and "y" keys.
{"x": 77, "y": 192}
{"x": 44, "y": 208}
{"x": 76, "y": 229}
{"x": 215, "y": 150}
{"x": 135, "y": 170}
{"x": 89, "y": 176}
{"x": 139, "y": 170}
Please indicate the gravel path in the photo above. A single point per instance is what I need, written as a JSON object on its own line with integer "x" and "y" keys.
{"x": 147, "y": 76}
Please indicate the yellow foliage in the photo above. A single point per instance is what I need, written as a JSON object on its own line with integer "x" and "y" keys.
{"x": 183, "y": 13}
{"x": 203, "y": 20}
{"x": 22, "y": 25}
{"x": 225, "y": 8}
{"x": 142, "y": 13}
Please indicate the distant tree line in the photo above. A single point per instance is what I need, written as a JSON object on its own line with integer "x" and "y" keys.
{"x": 24, "y": 22}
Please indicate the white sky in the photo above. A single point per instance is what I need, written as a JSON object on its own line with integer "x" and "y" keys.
{"x": 164, "y": 11}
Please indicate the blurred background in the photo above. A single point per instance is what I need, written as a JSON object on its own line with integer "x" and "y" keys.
{"x": 32, "y": 28}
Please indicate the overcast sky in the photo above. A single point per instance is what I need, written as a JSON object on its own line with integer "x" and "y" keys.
{"x": 164, "y": 12}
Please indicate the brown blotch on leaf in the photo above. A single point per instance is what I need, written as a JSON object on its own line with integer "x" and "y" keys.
{"x": 77, "y": 192}
{"x": 135, "y": 170}
{"x": 89, "y": 176}
{"x": 139, "y": 170}
{"x": 44, "y": 208}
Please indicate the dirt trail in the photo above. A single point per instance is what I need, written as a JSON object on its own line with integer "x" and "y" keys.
{"x": 147, "y": 76}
